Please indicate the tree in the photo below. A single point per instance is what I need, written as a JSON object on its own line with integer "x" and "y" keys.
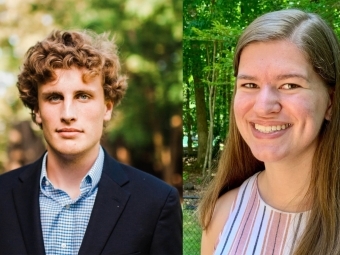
{"x": 211, "y": 30}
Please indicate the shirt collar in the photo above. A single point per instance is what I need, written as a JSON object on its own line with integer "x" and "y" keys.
{"x": 93, "y": 175}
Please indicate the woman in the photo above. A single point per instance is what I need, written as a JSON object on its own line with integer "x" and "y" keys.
{"x": 277, "y": 188}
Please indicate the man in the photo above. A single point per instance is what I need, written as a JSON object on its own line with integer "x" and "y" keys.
{"x": 76, "y": 199}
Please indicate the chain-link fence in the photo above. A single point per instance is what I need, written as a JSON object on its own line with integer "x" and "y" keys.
{"x": 191, "y": 229}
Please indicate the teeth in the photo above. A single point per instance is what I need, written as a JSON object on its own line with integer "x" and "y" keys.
{"x": 270, "y": 129}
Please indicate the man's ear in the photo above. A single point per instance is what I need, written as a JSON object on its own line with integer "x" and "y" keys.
{"x": 328, "y": 113}
{"x": 108, "y": 110}
{"x": 37, "y": 115}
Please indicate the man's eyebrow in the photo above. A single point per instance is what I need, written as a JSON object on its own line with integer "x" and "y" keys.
{"x": 56, "y": 92}
{"x": 52, "y": 92}
{"x": 86, "y": 91}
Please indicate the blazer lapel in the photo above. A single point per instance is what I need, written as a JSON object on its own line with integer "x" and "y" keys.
{"x": 26, "y": 199}
{"x": 110, "y": 203}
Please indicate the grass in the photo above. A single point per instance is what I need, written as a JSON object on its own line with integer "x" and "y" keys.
{"x": 191, "y": 233}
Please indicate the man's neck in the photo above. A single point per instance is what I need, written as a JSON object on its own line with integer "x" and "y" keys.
{"x": 66, "y": 172}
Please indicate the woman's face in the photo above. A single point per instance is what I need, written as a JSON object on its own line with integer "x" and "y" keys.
{"x": 280, "y": 102}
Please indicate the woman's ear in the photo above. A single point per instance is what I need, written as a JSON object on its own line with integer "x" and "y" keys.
{"x": 328, "y": 113}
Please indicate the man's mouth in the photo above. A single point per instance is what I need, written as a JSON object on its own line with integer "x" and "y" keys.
{"x": 68, "y": 130}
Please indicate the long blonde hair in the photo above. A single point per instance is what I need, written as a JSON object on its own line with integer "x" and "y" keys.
{"x": 317, "y": 40}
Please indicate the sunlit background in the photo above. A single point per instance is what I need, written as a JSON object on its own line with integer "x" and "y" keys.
{"x": 146, "y": 128}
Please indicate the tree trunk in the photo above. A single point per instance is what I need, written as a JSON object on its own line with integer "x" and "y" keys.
{"x": 202, "y": 125}
{"x": 201, "y": 112}
{"x": 212, "y": 99}
{"x": 24, "y": 146}
{"x": 188, "y": 118}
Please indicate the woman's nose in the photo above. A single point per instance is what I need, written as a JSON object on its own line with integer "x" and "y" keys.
{"x": 267, "y": 101}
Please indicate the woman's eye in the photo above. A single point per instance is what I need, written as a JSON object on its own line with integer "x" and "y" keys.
{"x": 290, "y": 86}
{"x": 250, "y": 85}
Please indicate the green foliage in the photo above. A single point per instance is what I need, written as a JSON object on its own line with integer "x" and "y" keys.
{"x": 211, "y": 30}
{"x": 185, "y": 176}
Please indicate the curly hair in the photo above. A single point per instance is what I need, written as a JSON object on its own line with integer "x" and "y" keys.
{"x": 95, "y": 53}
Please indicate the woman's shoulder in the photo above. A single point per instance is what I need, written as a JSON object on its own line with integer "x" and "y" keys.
{"x": 223, "y": 207}
{"x": 222, "y": 210}
{"x": 225, "y": 203}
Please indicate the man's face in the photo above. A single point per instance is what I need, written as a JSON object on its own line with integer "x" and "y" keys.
{"x": 72, "y": 112}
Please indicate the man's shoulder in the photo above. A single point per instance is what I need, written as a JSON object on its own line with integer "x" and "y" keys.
{"x": 139, "y": 177}
{"x": 12, "y": 177}
{"x": 139, "y": 181}
{"x": 12, "y": 174}
{"x": 148, "y": 192}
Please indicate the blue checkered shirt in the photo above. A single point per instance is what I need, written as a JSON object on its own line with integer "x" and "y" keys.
{"x": 64, "y": 220}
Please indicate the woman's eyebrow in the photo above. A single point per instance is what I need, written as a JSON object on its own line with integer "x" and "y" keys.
{"x": 279, "y": 77}
{"x": 292, "y": 75}
{"x": 245, "y": 77}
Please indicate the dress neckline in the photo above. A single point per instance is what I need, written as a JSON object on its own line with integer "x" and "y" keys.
{"x": 263, "y": 203}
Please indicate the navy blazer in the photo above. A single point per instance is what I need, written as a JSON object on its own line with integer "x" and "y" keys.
{"x": 134, "y": 213}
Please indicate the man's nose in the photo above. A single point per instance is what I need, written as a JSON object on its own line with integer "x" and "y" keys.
{"x": 69, "y": 111}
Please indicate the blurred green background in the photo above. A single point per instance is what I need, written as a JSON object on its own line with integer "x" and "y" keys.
{"x": 146, "y": 128}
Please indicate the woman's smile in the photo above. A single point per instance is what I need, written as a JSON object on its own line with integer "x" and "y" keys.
{"x": 280, "y": 102}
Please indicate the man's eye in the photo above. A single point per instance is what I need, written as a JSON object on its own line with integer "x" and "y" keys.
{"x": 83, "y": 97}
{"x": 54, "y": 98}
{"x": 290, "y": 86}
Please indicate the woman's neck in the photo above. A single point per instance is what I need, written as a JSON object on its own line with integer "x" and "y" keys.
{"x": 285, "y": 186}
